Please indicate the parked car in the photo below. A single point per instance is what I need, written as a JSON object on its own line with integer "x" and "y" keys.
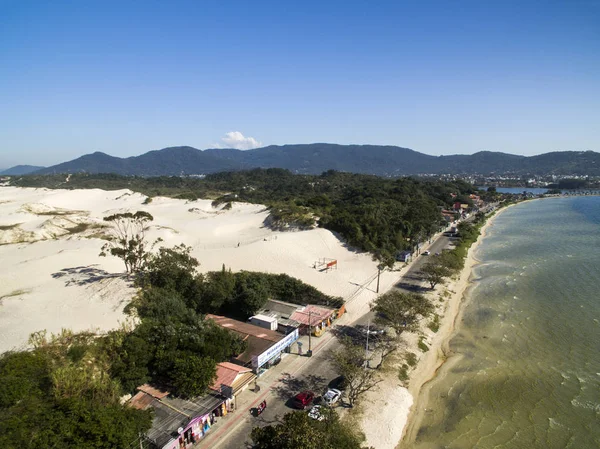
{"x": 426, "y": 253}
{"x": 316, "y": 413}
{"x": 332, "y": 396}
{"x": 303, "y": 399}
{"x": 339, "y": 383}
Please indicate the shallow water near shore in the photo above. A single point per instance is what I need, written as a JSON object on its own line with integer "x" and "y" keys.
{"x": 525, "y": 364}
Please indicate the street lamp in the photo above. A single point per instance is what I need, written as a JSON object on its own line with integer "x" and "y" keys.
{"x": 367, "y": 345}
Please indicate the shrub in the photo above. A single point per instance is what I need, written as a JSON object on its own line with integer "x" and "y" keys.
{"x": 403, "y": 373}
{"x": 434, "y": 324}
{"x": 411, "y": 359}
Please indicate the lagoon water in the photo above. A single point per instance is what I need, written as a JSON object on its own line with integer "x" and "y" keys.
{"x": 525, "y": 369}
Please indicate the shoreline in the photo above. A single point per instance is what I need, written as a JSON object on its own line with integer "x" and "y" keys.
{"x": 430, "y": 363}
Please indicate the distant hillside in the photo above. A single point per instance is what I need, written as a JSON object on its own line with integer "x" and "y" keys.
{"x": 21, "y": 170}
{"x": 319, "y": 157}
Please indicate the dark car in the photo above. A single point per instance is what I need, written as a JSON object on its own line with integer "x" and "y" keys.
{"x": 304, "y": 399}
{"x": 339, "y": 383}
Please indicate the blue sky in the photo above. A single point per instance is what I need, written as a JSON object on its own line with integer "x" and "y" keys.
{"x": 445, "y": 77}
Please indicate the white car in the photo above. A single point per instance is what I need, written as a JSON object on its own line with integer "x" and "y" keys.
{"x": 426, "y": 253}
{"x": 332, "y": 396}
{"x": 315, "y": 413}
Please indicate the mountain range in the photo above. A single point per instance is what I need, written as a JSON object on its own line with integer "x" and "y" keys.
{"x": 319, "y": 157}
{"x": 21, "y": 170}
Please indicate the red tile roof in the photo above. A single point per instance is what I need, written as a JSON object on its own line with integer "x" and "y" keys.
{"x": 141, "y": 401}
{"x": 317, "y": 314}
{"x": 154, "y": 392}
{"x": 227, "y": 373}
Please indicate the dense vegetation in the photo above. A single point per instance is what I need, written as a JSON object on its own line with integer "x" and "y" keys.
{"x": 373, "y": 214}
{"x": 297, "y": 431}
{"x": 60, "y": 395}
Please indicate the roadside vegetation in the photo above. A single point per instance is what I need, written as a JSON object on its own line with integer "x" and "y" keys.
{"x": 297, "y": 431}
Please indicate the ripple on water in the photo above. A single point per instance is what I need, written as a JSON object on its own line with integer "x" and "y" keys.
{"x": 534, "y": 381}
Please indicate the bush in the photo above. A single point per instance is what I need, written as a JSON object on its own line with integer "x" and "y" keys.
{"x": 411, "y": 359}
{"x": 434, "y": 324}
{"x": 403, "y": 373}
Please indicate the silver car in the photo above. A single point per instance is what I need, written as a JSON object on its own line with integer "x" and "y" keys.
{"x": 332, "y": 396}
{"x": 315, "y": 413}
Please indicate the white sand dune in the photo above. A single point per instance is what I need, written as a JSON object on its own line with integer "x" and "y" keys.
{"x": 53, "y": 278}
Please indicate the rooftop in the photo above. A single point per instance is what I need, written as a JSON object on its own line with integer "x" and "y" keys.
{"x": 230, "y": 375}
{"x": 285, "y": 309}
{"x": 171, "y": 413}
{"x": 246, "y": 329}
{"x": 316, "y": 314}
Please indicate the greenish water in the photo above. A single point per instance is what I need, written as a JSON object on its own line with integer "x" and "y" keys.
{"x": 526, "y": 369}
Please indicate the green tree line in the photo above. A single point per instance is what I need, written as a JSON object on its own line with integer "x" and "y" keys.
{"x": 379, "y": 215}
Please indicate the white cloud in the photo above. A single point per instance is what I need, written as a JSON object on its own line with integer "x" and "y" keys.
{"x": 237, "y": 140}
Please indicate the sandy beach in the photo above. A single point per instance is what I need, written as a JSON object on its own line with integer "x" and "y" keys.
{"x": 431, "y": 361}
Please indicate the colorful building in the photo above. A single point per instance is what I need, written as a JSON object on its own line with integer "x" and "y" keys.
{"x": 178, "y": 423}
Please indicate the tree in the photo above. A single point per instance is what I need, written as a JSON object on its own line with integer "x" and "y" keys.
{"x": 193, "y": 375}
{"x": 130, "y": 361}
{"x": 172, "y": 268}
{"x": 386, "y": 345}
{"x": 128, "y": 239}
{"x": 435, "y": 272}
{"x": 350, "y": 361}
{"x": 298, "y": 431}
{"x": 218, "y": 289}
{"x": 251, "y": 293}
{"x": 451, "y": 260}
{"x": 401, "y": 311}
{"x": 58, "y": 395}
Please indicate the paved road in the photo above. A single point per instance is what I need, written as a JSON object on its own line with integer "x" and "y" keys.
{"x": 298, "y": 373}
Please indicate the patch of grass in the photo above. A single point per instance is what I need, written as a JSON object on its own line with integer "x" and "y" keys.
{"x": 8, "y": 227}
{"x": 422, "y": 346}
{"x": 403, "y": 373}
{"x": 411, "y": 359}
{"x": 14, "y": 293}
{"x": 434, "y": 325}
{"x": 57, "y": 213}
{"x": 81, "y": 227}
{"x": 98, "y": 235}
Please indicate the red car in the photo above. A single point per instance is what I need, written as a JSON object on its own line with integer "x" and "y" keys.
{"x": 302, "y": 400}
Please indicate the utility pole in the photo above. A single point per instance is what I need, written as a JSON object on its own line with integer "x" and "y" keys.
{"x": 309, "y": 353}
{"x": 367, "y": 345}
{"x": 378, "y": 273}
